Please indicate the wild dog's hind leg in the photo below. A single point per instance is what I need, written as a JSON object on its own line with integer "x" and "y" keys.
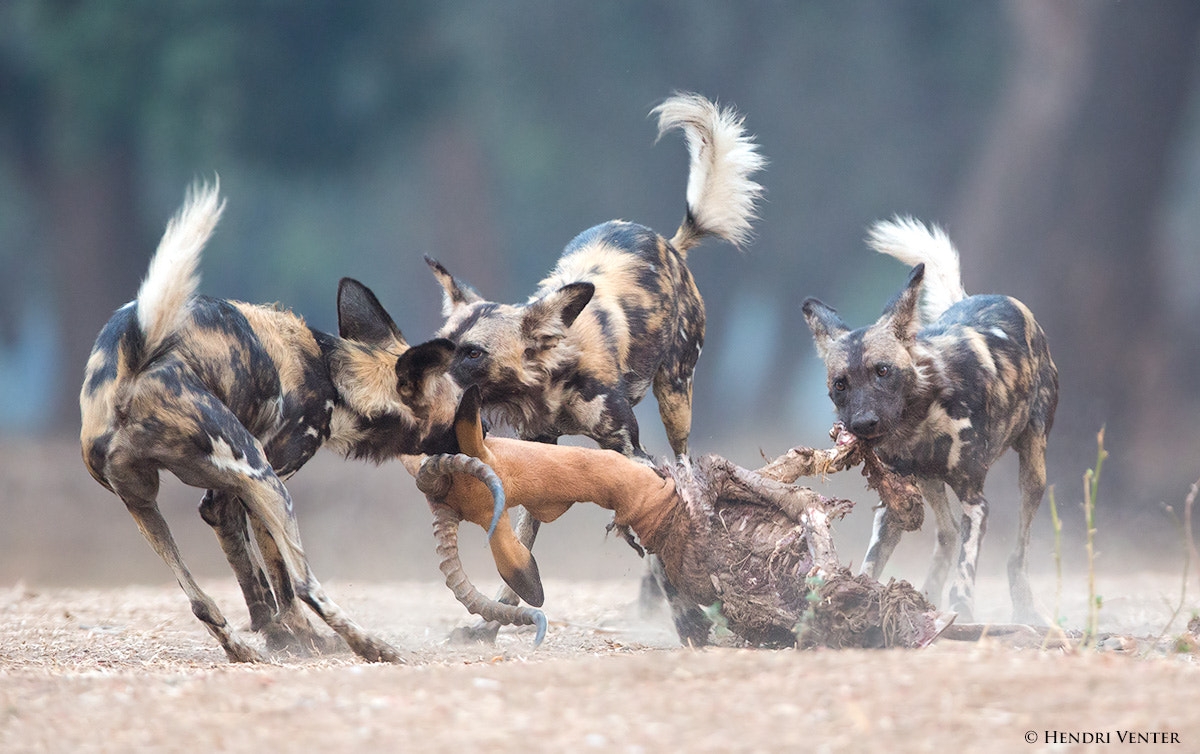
{"x": 974, "y": 526}
{"x": 289, "y": 628}
{"x": 225, "y": 514}
{"x": 1031, "y": 451}
{"x": 235, "y": 463}
{"x": 138, "y": 489}
{"x": 270, "y": 508}
{"x": 284, "y": 628}
{"x": 946, "y": 545}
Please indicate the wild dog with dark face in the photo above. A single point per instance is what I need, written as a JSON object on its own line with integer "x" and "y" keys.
{"x": 233, "y": 398}
{"x": 619, "y": 315}
{"x": 940, "y": 394}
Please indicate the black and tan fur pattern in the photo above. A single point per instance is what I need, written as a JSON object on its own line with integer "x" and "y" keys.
{"x": 941, "y": 393}
{"x": 234, "y": 398}
{"x": 619, "y": 315}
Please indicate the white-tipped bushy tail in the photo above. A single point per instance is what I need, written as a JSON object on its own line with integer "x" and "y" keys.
{"x": 720, "y": 195}
{"x": 173, "y": 276}
{"x": 913, "y": 243}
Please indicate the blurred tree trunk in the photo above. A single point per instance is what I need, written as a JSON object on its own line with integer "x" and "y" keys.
{"x": 88, "y": 247}
{"x": 98, "y": 256}
{"x": 463, "y": 215}
{"x": 1067, "y": 187}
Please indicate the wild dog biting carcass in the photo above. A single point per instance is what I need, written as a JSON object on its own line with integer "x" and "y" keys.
{"x": 234, "y": 398}
{"x": 619, "y": 314}
{"x": 940, "y": 391}
{"x": 761, "y": 548}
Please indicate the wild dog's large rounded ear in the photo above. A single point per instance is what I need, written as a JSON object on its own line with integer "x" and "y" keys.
{"x": 574, "y": 296}
{"x": 418, "y": 365}
{"x": 362, "y": 318}
{"x": 900, "y": 314}
{"x": 454, "y": 293}
{"x": 546, "y": 320}
{"x": 825, "y": 324}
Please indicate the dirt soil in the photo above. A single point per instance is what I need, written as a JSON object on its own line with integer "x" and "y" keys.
{"x": 99, "y": 654}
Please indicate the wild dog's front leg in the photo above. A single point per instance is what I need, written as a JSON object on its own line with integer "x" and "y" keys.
{"x": 974, "y": 525}
{"x": 673, "y": 391}
{"x": 885, "y": 535}
{"x": 947, "y": 542}
{"x": 609, "y": 420}
{"x": 691, "y": 623}
{"x": 225, "y": 514}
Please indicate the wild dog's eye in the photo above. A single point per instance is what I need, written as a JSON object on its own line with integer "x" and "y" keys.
{"x": 840, "y": 384}
{"x": 883, "y": 370}
{"x": 473, "y": 353}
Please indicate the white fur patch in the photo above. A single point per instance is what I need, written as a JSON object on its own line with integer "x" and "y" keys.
{"x": 912, "y": 242}
{"x": 343, "y": 431}
{"x": 172, "y": 279}
{"x": 720, "y": 194}
{"x": 223, "y": 458}
{"x": 589, "y": 412}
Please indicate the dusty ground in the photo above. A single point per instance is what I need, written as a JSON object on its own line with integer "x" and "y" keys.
{"x": 124, "y": 669}
{"x": 99, "y": 653}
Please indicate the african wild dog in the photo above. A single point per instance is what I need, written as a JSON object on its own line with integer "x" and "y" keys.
{"x": 619, "y": 314}
{"x": 233, "y": 398}
{"x": 941, "y": 394}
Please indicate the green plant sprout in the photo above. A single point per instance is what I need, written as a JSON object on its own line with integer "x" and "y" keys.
{"x": 1091, "y": 492}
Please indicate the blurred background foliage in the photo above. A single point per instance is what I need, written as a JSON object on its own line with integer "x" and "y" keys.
{"x": 1058, "y": 142}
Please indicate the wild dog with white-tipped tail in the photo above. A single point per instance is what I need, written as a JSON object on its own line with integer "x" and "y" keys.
{"x": 619, "y": 315}
{"x": 941, "y": 391}
{"x": 233, "y": 398}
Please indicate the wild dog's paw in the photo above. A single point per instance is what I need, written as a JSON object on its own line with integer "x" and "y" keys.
{"x": 483, "y": 632}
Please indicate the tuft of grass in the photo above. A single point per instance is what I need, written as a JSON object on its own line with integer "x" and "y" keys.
{"x": 1091, "y": 492}
{"x": 1188, "y": 503}
{"x": 1183, "y": 643}
{"x": 1058, "y": 571}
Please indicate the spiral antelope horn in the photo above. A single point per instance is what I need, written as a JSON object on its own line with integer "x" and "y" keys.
{"x": 434, "y": 479}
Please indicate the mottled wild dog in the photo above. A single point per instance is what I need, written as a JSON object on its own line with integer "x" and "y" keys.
{"x": 233, "y": 398}
{"x": 619, "y": 314}
{"x": 940, "y": 393}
